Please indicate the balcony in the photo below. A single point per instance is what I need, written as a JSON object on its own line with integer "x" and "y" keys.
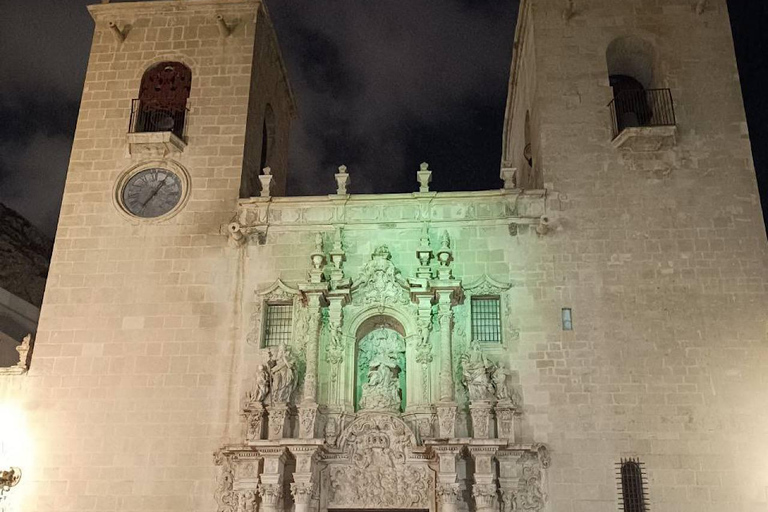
{"x": 643, "y": 120}
{"x": 156, "y": 131}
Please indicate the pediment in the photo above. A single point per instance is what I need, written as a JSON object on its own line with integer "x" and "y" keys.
{"x": 487, "y": 285}
{"x": 278, "y": 291}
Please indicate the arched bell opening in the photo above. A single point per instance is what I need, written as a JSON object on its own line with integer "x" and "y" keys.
{"x": 380, "y": 365}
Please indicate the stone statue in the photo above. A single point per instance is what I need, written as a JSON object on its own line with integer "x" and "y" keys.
{"x": 499, "y": 378}
{"x": 261, "y": 390}
{"x": 475, "y": 370}
{"x": 284, "y": 375}
{"x": 381, "y": 358}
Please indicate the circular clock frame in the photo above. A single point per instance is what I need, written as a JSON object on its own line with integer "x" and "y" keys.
{"x": 126, "y": 176}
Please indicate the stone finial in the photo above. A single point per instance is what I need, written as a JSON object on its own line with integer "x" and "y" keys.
{"x": 318, "y": 259}
{"x": 266, "y": 182}
{"x": 444, "y": 256}
{"x": 424, "y": 177}
{"x": 342, "y": 180}
{"x": 337, "y": 258}
{"x": 509, "y": 175}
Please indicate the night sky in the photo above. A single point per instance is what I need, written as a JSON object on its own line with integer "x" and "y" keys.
{"x": 381, "y": 87}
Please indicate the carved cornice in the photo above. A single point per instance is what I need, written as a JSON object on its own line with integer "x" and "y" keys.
{"x": 486, "y": 285}
{"x": 404, "y": 210}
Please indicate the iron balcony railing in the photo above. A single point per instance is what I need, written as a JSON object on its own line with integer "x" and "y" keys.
{"x": 641, "y": 108}
{"x": 152, "y": 118}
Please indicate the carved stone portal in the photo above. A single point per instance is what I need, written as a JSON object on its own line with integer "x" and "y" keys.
{"x": 380, "y": 474}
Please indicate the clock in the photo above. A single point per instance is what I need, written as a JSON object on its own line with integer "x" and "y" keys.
{"x": 151, "y": 192}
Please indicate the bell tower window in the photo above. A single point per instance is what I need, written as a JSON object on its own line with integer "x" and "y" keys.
{"x": 162, "y": 102}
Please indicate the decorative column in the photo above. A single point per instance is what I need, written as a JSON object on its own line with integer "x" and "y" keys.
{"x": 485, "y": 490}
{"x": 448, "y": 488}
{"x": 271, "y": 479}
{"x": 315, "y": 292}
{"x": 446, "y": 408}
{"x": 305, "y": 486}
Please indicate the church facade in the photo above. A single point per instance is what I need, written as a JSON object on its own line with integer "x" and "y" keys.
{"x": 590, "y": 337}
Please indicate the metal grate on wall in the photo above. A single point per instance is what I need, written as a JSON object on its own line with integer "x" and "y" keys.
{"x": 486, "y": 319}
{"x": 279, "y": 324}
{"x": 632, "y": 484}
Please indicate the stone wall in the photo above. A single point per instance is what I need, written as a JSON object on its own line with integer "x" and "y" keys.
{"x": 662, "y": 256}
{"x": 129, "y": 390}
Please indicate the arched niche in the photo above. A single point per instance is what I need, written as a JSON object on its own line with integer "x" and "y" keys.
{"x": 634, "y": 57}
{"x": 359, "y": 323}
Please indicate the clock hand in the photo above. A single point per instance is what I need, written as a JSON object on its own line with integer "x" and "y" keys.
{"x": 153, "y": 194}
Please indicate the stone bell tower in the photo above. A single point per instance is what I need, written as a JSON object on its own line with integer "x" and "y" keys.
{"x": 184, "y": 103}
{"x": 628, "y": 114}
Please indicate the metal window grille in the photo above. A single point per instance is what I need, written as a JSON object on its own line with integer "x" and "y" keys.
{"x": 279, "y": 324}
{"x": 632, "y": 486}
{"x": 486, "y": 319}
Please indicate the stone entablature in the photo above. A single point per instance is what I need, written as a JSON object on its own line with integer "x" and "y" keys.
{"x": 496, "y": 206}
{"x": 378, "y": 463}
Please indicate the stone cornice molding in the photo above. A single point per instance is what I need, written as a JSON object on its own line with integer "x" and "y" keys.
{"x": 404, "y": 210}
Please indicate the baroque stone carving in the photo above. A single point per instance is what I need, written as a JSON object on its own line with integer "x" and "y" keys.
{"x": 485, "y": 495}
{"x": 307, "y": 418}
{"x": 446, "y": 418}
{"x": 486, "y": 285}
{"x": 335, "y": 350}
{"x": 382, "y": 357}
{"x": 284, "y": 375}
{"x": 379, "y": 476}
{"x": 531, "y": 495}
{"x": 483, "y": 379}
{"x": 246, "y": 501}
{"x": 270, "y": 493}
{"x": 302, "y": 492}
{"x": 226, "y": 498}
{"x": 380, "y": 282}
{"x": 475, "y": 373}
{"x": 448, "y": 494}
{"x": 278, "y": 292}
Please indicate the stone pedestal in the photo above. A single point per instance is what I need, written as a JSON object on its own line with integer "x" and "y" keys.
{"x": 308, "y": 420}
{"x": 506, "y": 420}
{"x": 279, "y": 420}
{"x": 446, "y": 420}
{"x": 255, "y": 421}
{"x": 482, "y": 418}
{"x": 485, "y": 488}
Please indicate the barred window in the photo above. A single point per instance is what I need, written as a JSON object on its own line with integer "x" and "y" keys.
{"x": 278, "y": 325}
{"x": 486, "y": 319}
{"x": 632, "y": 493}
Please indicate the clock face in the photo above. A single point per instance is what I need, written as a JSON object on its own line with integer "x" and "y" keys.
{"x": 152, "y": 192}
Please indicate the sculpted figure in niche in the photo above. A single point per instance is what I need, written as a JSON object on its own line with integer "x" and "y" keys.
{"x": 284, "y": 375}
{"x": 261, "y": 389}
{"x": 380, "y": 363}
{"x": 475, "y": 370}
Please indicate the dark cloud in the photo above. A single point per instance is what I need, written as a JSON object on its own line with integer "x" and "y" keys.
{"x": 381, "y": 87}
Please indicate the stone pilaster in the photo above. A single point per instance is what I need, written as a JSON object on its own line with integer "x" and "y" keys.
{"x": 305, "y": 487}
{"x": 308, "y": 420}
{"x": 334, "y": 351}
{"x": 315, "y": 293}
{"x": 446, "y": 419}
{"x": 279, "y": 420}
{"x": 507, "y": 415}
{"x": 272, "y": 479}
{"x": 445, "y": 316}
{"x": 424, "y": 351}
{"x": 246, "y": 500}
{"x": 485, "y": 488}
{"x": 448, "y": 488}
{"x": 481, "y": 412}
{"x": 255, "y": 416}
